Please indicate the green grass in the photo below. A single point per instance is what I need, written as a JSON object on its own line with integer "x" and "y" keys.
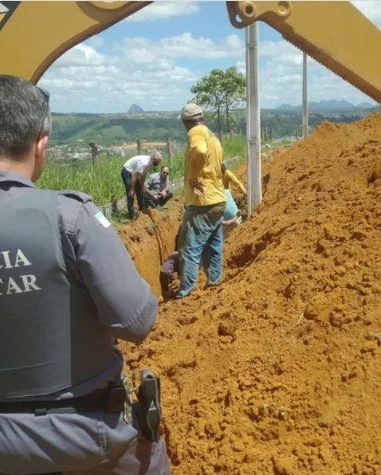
{"x": 234, "y": 146}
{"x": 176, "y": 167}
{"x": 102, "y": 182}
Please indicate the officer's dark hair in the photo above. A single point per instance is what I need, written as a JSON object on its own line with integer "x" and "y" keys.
{"x": 24, "y": 116}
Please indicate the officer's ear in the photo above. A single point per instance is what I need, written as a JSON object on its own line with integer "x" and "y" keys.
{"x": 41, "y": 146}
{"x": 39, "y": 156}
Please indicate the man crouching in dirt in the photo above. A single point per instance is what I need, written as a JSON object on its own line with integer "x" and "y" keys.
{"x": 68, "y": 288}
{"x": 201, "y": 231}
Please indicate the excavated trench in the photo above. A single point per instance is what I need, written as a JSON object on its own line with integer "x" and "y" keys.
{"x": 151, "y": 239}
{"x": 278, "y": 370}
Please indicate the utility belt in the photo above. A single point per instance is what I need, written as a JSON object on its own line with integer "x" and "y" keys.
{"x": 142, "y": 401}
{"x": 93, "y": 402}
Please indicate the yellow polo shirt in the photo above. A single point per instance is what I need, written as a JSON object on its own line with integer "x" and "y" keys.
{"x": 229, "y": 177}
{"x": 203, "y": 158}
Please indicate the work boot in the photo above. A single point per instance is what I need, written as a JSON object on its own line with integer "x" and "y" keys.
{"x": 135, "y": 216}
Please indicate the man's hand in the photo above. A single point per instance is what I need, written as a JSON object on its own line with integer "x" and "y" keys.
{"x": 163, "y": 193}
{"x": 131, "y": 193}
{"x": 197, "y": 186}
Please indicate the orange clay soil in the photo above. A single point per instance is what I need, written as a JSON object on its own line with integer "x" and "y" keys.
{"x": 278, "y": 370}
{"x": 151, "y": 239}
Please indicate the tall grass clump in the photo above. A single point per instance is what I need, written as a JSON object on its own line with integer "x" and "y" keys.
{"x": 101, "y": 182}
{"x": 234, "y": 146}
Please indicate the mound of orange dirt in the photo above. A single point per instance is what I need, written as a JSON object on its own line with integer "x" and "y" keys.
{"x": 278, "y": 370}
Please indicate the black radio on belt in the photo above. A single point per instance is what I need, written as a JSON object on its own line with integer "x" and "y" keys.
{"x": 148, "y": 408}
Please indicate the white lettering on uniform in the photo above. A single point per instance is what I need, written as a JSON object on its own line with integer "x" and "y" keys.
{"x": 21, "y": 283}
{"x": 29, "y": 282}
{"x": 7, "y": 261}
{"x": 12, "y": 286}
{"x": 21, "y": 259}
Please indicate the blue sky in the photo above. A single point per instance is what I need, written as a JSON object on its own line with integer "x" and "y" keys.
{"x": 154, "y": 57}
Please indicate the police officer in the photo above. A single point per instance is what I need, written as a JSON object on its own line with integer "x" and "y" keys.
{"x": 68, "y": 288}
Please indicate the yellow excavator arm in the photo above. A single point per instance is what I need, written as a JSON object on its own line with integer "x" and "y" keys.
{"x": 34, "y": 34}
{"x": 334, "y": 33}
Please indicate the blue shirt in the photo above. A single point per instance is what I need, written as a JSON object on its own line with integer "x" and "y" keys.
{"x": 231, "y": 209}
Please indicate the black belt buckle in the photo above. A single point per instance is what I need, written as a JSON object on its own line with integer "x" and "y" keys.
{"x": 117, "y": 397}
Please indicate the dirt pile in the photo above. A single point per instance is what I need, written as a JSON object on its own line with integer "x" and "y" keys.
{"x": 278, "y": 370}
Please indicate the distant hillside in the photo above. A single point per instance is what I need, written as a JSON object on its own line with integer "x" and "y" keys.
{"x": 135, "y": 109}
{"x": 327, "y": 105}
{"x": 114, "y": 129}
{"x": 365, "y": 105}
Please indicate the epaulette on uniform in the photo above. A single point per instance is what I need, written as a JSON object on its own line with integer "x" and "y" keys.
{"x": 77, "y": 195}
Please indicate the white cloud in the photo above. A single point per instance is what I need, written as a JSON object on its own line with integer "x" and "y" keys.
{"x": 281, "y": 77}
{"x": 143, "y": 50}
{"x": 86, "y": 80}
{"x": 80, "y": 55}
{"x": 164, "y": 10}
{"x": 281, "y": 51}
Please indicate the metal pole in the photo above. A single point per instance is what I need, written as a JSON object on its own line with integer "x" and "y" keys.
{"x": 254, "y": 178}
{"x": 305, "y": 98}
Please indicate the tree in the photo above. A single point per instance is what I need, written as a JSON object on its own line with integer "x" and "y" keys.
{"x": 220, "y": 92}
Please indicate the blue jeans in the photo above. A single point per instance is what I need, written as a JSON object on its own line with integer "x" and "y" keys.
{"x": 200, "y": 239}
{"x": 149, "y": 203}
{"x": 127, "y": 180}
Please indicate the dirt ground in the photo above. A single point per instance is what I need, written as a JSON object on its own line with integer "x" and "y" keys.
{"x": 278, "y": 370}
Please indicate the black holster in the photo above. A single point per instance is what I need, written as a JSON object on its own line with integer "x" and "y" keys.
{"x": 147, "y": 408}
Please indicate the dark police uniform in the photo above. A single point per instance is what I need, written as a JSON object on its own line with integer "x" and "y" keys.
{"x": 68, "y": 287}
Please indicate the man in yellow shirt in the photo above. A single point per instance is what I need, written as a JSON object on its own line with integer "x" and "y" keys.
{"x": 228, "y": 177}
{"x": 205, "y": 201}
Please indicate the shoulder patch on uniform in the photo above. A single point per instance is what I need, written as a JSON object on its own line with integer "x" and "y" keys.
{"x": 102, "y": 219}
{"x": 77, "y": 195}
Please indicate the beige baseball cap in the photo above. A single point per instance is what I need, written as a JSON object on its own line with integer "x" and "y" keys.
{"x": 191, "y": 112}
